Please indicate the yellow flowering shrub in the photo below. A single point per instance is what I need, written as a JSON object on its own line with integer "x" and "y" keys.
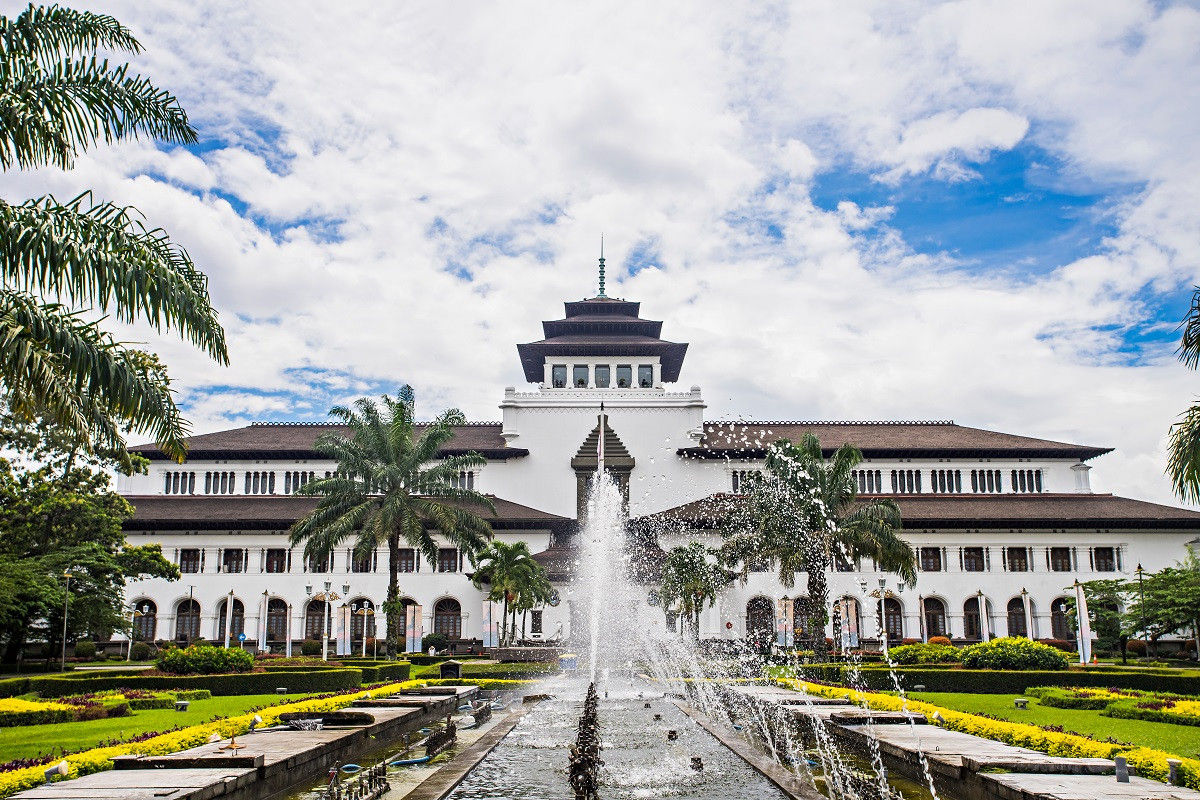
{"x": 100, "y": 758}
{"x": 14, "y": 711}
{"x": 1146, "y": 762}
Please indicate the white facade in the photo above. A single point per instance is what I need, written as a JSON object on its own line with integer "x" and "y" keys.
{"x": 1037, "y": 527}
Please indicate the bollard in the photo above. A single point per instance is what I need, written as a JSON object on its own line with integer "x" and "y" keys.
{"x": 1173, "y": 765}
{"x": 1122, "y": 769}
{"x": 697, "y": 764}
{"x": 672, "y": 735}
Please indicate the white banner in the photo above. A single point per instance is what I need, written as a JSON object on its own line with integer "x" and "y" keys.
{"x": 1083, "y": 624}
{"x": 491, "y": 624}
{"x": 412, "y": 632}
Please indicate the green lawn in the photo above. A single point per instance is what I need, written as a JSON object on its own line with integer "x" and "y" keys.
{"x": 26, "y": 741}
{"x": 1179, "y": 739}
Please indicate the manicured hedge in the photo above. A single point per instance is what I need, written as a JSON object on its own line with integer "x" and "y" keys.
{"x": 1152, "y": 710}
{"x": 987, "y": 681}
{"x": 322, "y": 680}
{"x": 204, "y": 659}
{"x": 384, "y": 671}
{"x": 25, "y": 712}
{"x": 425, "y": 660}
{"x": 1063, "y": 698}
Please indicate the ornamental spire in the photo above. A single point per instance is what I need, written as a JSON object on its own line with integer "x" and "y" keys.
{"x": 601, "y": 267}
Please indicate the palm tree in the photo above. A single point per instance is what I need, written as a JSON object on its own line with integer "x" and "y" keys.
{"x": 692, "y": 577}
{"x": 1183, "y": 461}
{"x": 66, "y": 266}
{"x": 391, "y": 486}
{"x": 514, "y": 579}
{"x": 803, "y": 512}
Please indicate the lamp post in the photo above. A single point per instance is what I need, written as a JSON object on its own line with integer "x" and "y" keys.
{"x": 1142, "y": 607}
{"x": 883, "y": 633}
{"x": 364, "y": 612}
{"x": 325, "y": 597}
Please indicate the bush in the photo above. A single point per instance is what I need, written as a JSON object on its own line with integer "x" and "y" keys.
{"x": 1152, "y": 709}
{"x": 940, "y": 640}
{"x": 321, "y": 680}
{"x": 1059, "y": 644}
{"x": 1136, "y": 646}
{"x": 1067, "y": 698}
{"x": 24, "y": 712}
{"x": 385, "y": 671}
{"x": 204, "y": 659}
{"x": 924, "y": 654}
{"x": 434, "y": 640}
{"x": 193, "y": 694}
{"x": 85, "y": 649}
{"x": 310, "y": 647}
{"x": 141, "y": 651}
{"x": 1013, "y": 652}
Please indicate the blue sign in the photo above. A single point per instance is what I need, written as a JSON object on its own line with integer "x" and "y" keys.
{"x": 554, "y": 599}
{"x": 241, "y": 637}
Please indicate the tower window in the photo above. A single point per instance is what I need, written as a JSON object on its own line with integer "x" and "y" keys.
{"x": 602, "y": 376}
{"x": 624, "y": 376}
{"x": 579, "y": 376}
{"x": 645, "y": 376}
{"x": 558, "y": 376}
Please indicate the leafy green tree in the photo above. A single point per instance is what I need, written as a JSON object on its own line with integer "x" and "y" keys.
{"x": 803, "y": 512}
{"x": 692, "y": 577}
{"x": 1171, "y": 601}
{"x": 392, "y": 486}
{"x": 53, "y": 524}
{"x": 65, "y": 267}
{"x": 514, "y": 579}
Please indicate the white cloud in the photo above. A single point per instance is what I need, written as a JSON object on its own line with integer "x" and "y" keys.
{"x": 413, "y": 191}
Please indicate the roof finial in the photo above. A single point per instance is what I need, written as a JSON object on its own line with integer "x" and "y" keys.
{"x": 601, "y": 266}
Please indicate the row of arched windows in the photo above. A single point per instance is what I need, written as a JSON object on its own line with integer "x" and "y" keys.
{"x": 760, "y": 617}
{"x": 906, "y": 481}
{"x": 176, "y": 482}
{"x": 1026, "y": 480}
{"x": 260, "y": 483}
{"x": 870, "y": 481}
{"x": 986, "y": 481}
{"x": 447, "y": 619}
{"x": 220, "y": 482}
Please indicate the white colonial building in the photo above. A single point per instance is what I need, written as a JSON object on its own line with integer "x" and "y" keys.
{"x": 1002, "y": 524}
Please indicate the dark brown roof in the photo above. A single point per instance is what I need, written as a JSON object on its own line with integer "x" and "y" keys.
{"x": 295, "y": 440}
{"x": 601, "y": 326}
{"x": 880, "y": 440}
{"x": 980, "y": 511}
{"x": 277, "y": 512}
{"x": 558, "y": 560}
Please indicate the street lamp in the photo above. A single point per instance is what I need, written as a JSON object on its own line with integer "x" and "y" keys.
{"x": 883, "y": 617}
{"x": 1142, "y": 606}
{"x": 134, "y": 613}
{"x": 325, "y": 597}
{"x": 364, "y": 612}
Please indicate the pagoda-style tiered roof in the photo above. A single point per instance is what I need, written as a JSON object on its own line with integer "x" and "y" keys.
{"x": 601, "y": 326}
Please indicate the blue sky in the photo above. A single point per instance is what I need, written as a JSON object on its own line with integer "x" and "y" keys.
{"x": 979, "y": 210}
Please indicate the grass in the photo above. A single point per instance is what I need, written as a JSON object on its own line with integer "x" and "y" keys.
{"x": 1181, "y": 739}
{"x": 28, "y": 741}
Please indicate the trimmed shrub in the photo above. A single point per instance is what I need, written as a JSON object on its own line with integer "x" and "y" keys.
{"x": 1136, "y": 646}
{"x": 1059, "y": 644}
{"x": 924, "y": 654}
{"x": 327, "y": 680}
{"x": 1154, "y": 710}
{"x": 193, "y": 694}
{"x": 940, "y": 640}
{"x": 1066, "y": 698}
{"x": 986, "y": 681}
{"x": 204, "y": 659}
{"x": 140, "y": 651}
{"x": 15, "y": 711}
{"x": 85, "y": 649}
{"x": 435, "y": 640}
{"x": 385, "y": 671}
{"x": 310, "y": 647}
{"x": 418, "y": 659}
{"x": 1013, "y": 652}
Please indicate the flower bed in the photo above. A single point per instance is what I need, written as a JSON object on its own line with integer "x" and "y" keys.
{"x": 1124, "y": 703}
{"x": 99, "y": 758}
{"x": 14, "y": 711}
{"x": 1147, "y": 762}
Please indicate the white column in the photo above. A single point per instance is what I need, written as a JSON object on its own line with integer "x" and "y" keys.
{"x": 1083, "y": 484}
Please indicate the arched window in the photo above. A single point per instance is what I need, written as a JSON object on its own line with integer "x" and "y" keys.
{"x": 1060, "y": 625}
{"x": 362, "y": 616}
{"x": 239, "y": 620}
{"x": 935, "y": 617}
{"x": 893, "y": 614}
{"x": 972, "y": 623}
{"x": 145, "y": 621}
{"x": 760, "y": 617}
{"x": 447, "y": 618}
{"x": 277, "y": 620}
{"x": 314, "y": 625}
{"x": 1016, "y": 618}
{"x": 187, "y": 620}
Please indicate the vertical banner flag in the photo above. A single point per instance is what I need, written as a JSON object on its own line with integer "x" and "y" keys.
{"x": 1028, "y": 603}
{"x": 343, "y": 644}
{"x": 491, "y": 633}
{"x": 783, "y": 627}
{"x": 1083, "y": 624}
{"x": 262, "y": 625}
{"x": 413, "y": 632}
{"x": 985, "y": 619}
{"x": 288, "y": 632}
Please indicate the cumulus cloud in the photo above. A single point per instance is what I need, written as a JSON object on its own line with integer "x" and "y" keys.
{"x": 385, "y": 197}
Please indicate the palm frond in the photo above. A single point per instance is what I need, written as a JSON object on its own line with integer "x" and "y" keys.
{"x": 103, "y": 256}
{"x": 49, "y": 113}
{"x": 1183, "y": 456}
{"x": 1189, "y": 345}
{"x": 54, "y": 363}
{"x": 53, "y": 32}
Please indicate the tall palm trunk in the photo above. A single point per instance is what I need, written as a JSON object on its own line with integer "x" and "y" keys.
{"x": 504, "y": 622}
{"x": 394, "y": 617}
{"x": 696, "y": 620}
{"x": 818, "y": 608}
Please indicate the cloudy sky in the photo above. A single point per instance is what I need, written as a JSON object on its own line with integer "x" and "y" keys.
{"x": 979, "y": 211}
